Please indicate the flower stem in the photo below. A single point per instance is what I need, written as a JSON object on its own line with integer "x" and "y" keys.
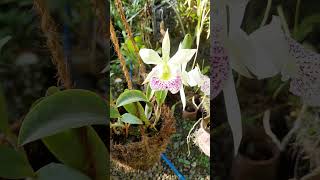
{"x": 296, "y": 18}
{"x": 266, "y": 14}
{"x": 283, "y": 20}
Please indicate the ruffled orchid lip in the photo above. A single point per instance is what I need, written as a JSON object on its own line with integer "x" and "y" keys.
{"x": 173, "y": 85}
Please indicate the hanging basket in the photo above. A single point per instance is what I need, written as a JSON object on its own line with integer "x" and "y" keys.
{"x": 144, "y": 154}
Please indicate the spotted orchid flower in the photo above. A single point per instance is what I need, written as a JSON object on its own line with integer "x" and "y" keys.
{"x": 306, "y": 83}
{"x": 167, "y": 74}
{"x": 196, "y": 78}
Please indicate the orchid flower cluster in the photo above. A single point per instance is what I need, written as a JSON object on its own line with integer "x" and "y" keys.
{"x": 264, "y": 53}
{"x": 170, "y": 74}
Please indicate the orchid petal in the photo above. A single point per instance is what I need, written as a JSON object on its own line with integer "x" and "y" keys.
{"x": 272, "y": 51}
{"x": 183, "y": 98}
{"x": 166, "y": 46}
{"x": 153, "y": 72}
{"x": 150, "y": 56}
{"x": 307, "y": 82}
{"x": 220, "y": 64}
{"x": 185, "y": 78}
{"x": 237, "y": 10}
{"x": 194, "y": 77}
{"x": 173, "y": 85}
{"x": 182, "y": 56}
{"x": 239, "y": 50}
{"x": 205, "y": 86}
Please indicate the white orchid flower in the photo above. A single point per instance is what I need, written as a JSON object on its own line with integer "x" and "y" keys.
{"x": 263, "y": 53}
{"x": 196, "y": 78}
{"x": 167, "y": 74}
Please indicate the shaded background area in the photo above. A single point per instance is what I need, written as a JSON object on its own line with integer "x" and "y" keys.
{"x": 26, "y": 69}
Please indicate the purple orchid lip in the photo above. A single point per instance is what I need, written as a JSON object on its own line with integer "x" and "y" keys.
{"x": 173, "y": 85}
{"x": 307, "y": 82}
{"x": 220, "y": 64}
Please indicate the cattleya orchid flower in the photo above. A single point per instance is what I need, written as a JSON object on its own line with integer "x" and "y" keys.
{"x": 167, "y": 74}
{"x": 198, "y": 79}
{"x": 270, "y": 50}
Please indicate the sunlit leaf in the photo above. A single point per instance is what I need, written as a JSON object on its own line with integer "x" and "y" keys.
{"x": 130, "y": 119}
{"x": 130, "y": 96}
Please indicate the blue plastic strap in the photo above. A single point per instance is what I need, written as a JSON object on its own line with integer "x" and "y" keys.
{"x": 180, "y": 176}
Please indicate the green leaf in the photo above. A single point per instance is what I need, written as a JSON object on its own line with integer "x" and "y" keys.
{"x": 61, "y": 111}
{"x": 51, "y": 90}
{"x": 114, "y": 113}
{"x": 54, "y": 171}
{"x": 131, "y": 108}
{"x": 149, "y": 92}
{"x": 187, "y": 42}
{"x": 130, "y": 119}
{"x": 130, "y": 96}
{"x": 161, "y": 96}
{"x": 4, "y": 41}
{"x": 78, "y": 148}
{"x": 4, "y": 125}
{"x": 13, "y": 164}
{"x": 307, "y": 26}
{"x": 141, "y": 114}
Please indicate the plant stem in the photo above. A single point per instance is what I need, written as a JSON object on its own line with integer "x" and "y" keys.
{"x": 296, "y": 126}
{"x": 283, "y": 20}
{"x": 266, "y": 14}
{"x": 296, "y": 18}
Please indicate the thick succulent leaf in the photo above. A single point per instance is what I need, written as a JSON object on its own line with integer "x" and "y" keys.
{"x": 79, "y": 147}
{"x": 61, "y": 111}
{"x": 187, "y": 42}
{"x": 161, "y": 96}
{"x": 56, "y": 171}
{"x": 131, "y": 96}
{"x": 14, "y": 164}
{"x": 233, "y": 111}
{"x": 114, "y": 113}
{"x": 130, "y": 119}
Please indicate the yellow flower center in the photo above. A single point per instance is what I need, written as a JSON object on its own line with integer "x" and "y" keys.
{"x": 165, "y": 72}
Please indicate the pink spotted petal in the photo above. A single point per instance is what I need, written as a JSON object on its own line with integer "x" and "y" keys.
{"x": 220, "y": 64}
{"x": 205, "y": 87}
{"x": 307, "y": 83}
{"x": 173, "y": 85}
